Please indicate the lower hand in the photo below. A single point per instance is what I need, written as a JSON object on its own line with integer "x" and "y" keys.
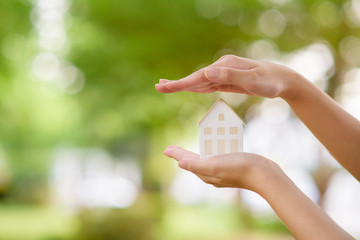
{"x": 239, "y": 170}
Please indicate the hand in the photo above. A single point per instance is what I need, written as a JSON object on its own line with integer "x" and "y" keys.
{"x": 240, "y": 170}
{"x": 235, "y": 74}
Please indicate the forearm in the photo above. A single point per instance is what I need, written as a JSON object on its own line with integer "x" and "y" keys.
{"x": 250, "y": 171}
{"x": 304, "y": 219}
{"x": 336, "y": 129}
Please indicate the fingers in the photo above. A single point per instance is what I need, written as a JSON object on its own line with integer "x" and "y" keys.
{"x": 164, "y": 81}
{"x": 220, "y": 171}
{"x": 209, "y": 90}
{"x": 213, "y": 79}
{"x": 194, "y": 79}
{"x": 179, "y": 153}
{"x": 219, "y": 72}
{"x": 204, "y": 169}
{"x": 188, "y": 160}
{"x": 198, "y": 166}
{"x": 161, "y": 87}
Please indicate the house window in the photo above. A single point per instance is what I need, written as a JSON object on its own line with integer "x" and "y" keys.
{"x": 221, "y": 146}
{"x": 221, "y": 117}
{"x": 220, "y": 131}
{"x": 234, "y": 145}
{"x": 207, "y": 131}
{"x": 208, "y": 147}
{"x": 233, "y": 130}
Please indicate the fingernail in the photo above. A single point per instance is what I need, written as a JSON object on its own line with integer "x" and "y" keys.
{"x": 211, "y": 73}
{"x": 182, "y": 164}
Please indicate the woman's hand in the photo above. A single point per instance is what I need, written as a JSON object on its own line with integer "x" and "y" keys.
{"x": 261, "y": 175}
{"x": 321, "y": 114}
{"x": 239, "y": 170}
{"x": 239, "y": 75}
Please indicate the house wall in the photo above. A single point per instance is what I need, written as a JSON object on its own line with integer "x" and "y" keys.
{"x": 220, "y": 133}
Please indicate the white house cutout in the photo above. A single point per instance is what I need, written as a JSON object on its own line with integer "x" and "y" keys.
{"x": 221, "y": 131}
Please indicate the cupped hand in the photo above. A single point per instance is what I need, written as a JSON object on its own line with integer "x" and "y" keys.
{"x": 235, "y": 74}
{"x": 239, "y": 170}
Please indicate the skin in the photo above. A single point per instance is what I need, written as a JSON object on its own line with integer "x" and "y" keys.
{"x": 304, "y": 219}
{"x": 338, "y": 131}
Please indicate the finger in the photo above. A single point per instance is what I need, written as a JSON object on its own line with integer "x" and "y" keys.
{"x": 209, "y": 90}
{"x": 161, "y": 88}
{"x": 203, "y": 88}
{"x": 179, "y": 153}
{"x": 202, "y": 85}
{"x": 164, "y": 81}
{"x": 233, "y": 88}
{"x": 184, "y": 84}
{"x": 194, "y": 79}
{"x": 197, "y": 166}
{"x": 239, "y": 78}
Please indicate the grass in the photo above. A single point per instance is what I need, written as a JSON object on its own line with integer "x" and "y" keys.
{"x": 32, "y": 222}
{"x": 206, "y": 222}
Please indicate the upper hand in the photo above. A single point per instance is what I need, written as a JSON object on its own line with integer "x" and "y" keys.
{"x": 235, "y": 74}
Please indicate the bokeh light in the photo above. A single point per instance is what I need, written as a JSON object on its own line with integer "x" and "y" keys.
{"x": 208, "y": 8}
{"x": 82, "y": 131}
{"x": 272, "y": 23}
{"x": 314, "y": 62}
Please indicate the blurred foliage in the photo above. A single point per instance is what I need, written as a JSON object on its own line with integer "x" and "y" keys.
{"x": 180, "y": 223}
{"x": 15, "y": 25}
{"x": 30, "y": 222}
{"x": 114, "y": 225}
{"x": 122, "y": 48}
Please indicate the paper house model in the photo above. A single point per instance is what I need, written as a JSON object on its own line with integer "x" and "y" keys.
{"x": 221, "y": 131}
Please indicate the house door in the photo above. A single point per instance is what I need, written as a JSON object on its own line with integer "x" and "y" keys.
{"x": 234, "y": 145}
{"x": 221, "y": 146}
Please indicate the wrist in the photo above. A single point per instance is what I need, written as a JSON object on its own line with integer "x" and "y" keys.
{"x": 266, "y": 174}
{"x": 294, "y": 86}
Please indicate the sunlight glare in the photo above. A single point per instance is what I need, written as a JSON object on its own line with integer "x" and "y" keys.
{"x": 314, "y": 62}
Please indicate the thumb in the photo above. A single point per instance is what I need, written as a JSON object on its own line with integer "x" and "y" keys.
{"x": 198, "y": 166}
{"x": 230, "y": 75}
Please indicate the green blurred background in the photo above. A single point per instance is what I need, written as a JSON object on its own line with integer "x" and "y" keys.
{"x": 82, "y": 128}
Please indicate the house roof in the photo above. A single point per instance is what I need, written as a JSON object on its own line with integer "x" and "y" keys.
{"x": 220, "y": 100}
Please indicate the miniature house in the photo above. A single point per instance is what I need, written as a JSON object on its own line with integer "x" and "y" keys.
{"x": 221, "y": 131}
